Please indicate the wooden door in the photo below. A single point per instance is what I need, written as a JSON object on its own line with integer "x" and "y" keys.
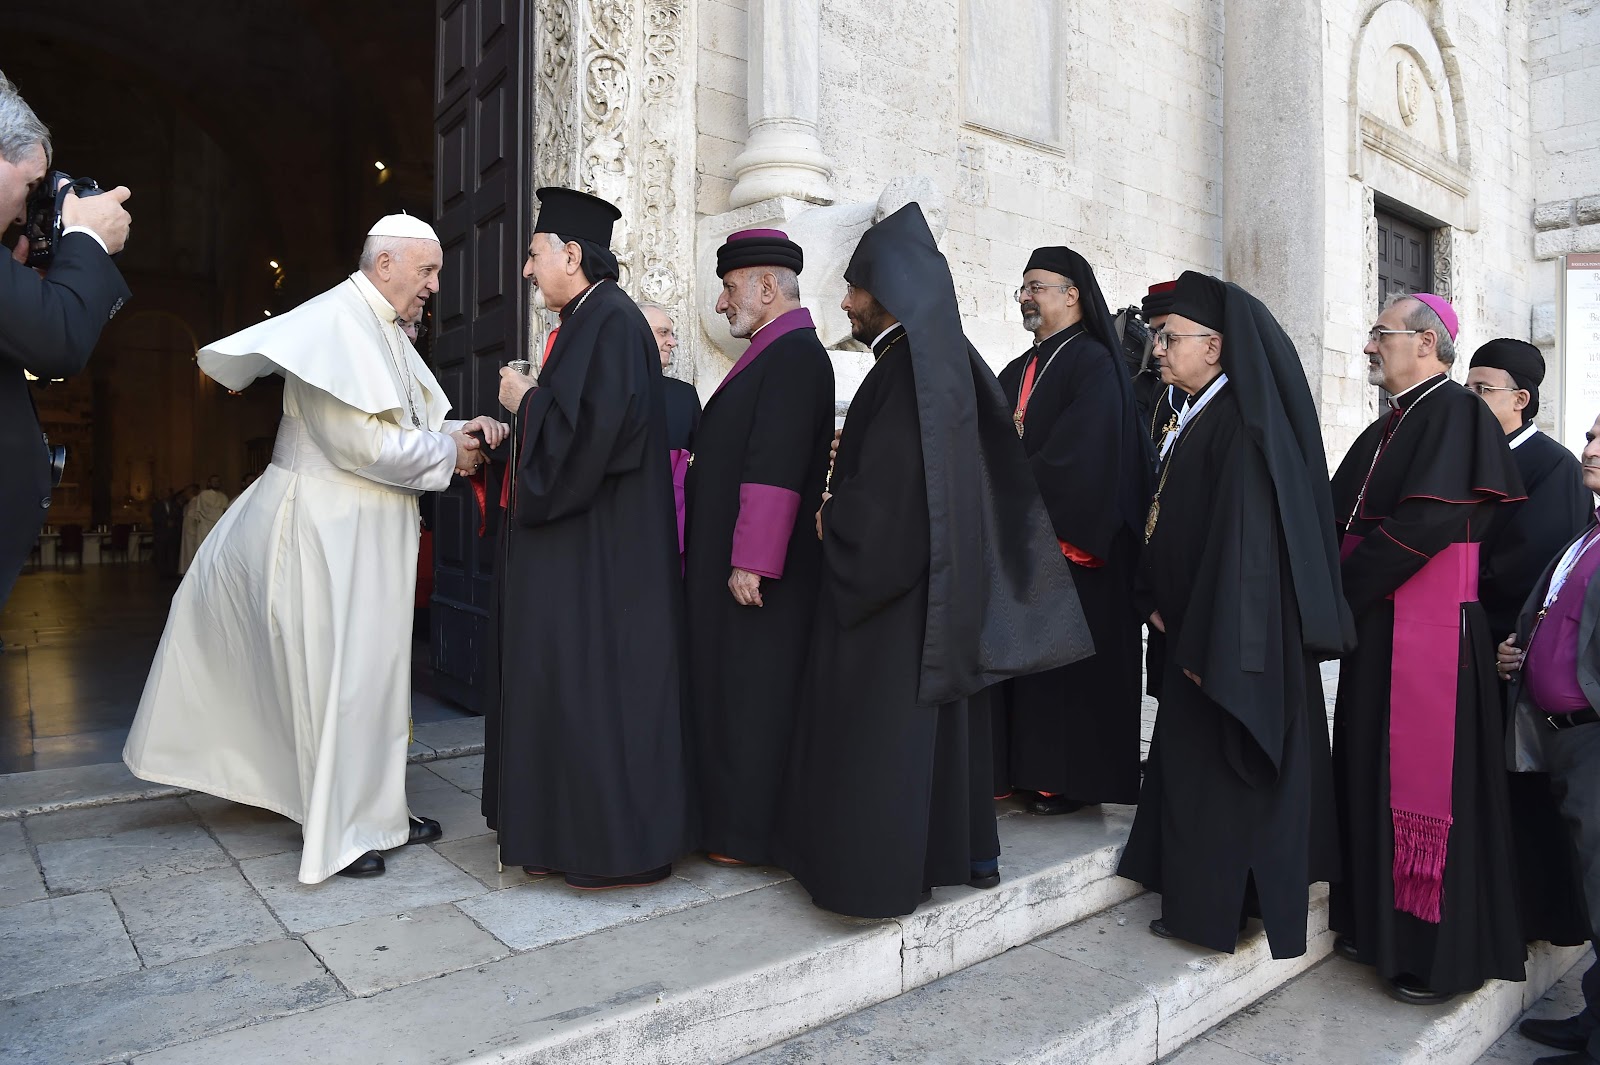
{"x": 481, "y": 125}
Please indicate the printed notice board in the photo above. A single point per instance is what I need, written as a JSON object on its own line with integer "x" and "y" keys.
{"x": 1580, "y": 347}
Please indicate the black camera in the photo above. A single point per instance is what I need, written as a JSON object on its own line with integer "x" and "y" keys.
{"x": 43, "y": 227}
{"x": 1135, "y": 337}
{"x": 58, "y": 461}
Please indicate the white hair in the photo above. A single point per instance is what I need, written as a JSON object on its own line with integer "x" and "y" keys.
{"x": 20, "y": 128}
{"x": 397, "y": 248}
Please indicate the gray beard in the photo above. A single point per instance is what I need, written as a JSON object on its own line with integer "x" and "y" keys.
{"x": 1032, "y": 322}
{"x": 743, "y": 324}
{"x": 1375, "y": 375}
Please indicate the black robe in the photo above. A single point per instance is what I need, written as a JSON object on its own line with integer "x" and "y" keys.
{"x": 1440, "y": 479}
{"x": 683, "y": 413}
{"x": 1161, "y": 413}
{"x": 1215, "y": 818}
{"x": 1074, "y": 731}
{"x": 584, "y": 752}
{"x": 884, "y": 796}
{"x": 1522, "y": 540}
{"x": 769, "y": 425}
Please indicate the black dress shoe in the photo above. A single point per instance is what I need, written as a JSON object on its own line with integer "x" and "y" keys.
{"x": 1159, "y": 927}
{"x": 1578, "y": 1057}
{"x": 984, "y": 875}
{"x": 1051, "y": 805}
{"x": 590, "y": 882}
{"x": 369, "y": 864}
{"x": 1563, "y": 1033}
{"x": 537, "y": 870}
{"x": 1345, "y": 947}
{"x": 1413, "y": 992}
{"x": 423, "y": 830}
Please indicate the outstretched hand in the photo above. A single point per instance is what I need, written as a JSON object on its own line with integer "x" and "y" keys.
{"x": 493, "y": 432}
{"x": 468, "y": 455}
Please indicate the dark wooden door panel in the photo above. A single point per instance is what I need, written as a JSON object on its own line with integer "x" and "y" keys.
{"x": 481, "y": 127}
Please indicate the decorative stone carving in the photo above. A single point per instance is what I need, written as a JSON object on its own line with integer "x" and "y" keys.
{"x": 618, "y": 123}
{"x": 1406, "y": 136}
{"x": 1409, "y": 90}
{"x": 1443, "y": 262}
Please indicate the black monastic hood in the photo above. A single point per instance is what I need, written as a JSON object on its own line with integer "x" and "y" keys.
{"x": 1001, "y": 602}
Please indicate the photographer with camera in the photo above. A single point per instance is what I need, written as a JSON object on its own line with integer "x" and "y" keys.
{"x": 58, "y": 289}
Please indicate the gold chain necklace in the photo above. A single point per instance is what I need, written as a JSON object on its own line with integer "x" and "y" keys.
{"x": 406, "y": 378}
{"x": 1166, "y": 471}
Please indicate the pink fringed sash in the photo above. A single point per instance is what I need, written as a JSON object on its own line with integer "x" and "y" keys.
{"x": 1425, "y": 674}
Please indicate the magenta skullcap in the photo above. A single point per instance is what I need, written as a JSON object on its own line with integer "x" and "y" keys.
{"x": 1440, "y": 306}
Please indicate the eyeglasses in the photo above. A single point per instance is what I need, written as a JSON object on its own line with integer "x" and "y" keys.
{"x": 1481, "y": 389}
{"x": 1160, "y": 341}
{"x": 1033, "y": 288}
{"x": 1375, "y": 335}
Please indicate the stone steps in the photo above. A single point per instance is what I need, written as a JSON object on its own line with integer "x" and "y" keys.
{"x": 709, "y": 983}
{"x": 1105, "y": 991}
{"x": 1338, "y": 1013}
{"x": 1102, "y": 990}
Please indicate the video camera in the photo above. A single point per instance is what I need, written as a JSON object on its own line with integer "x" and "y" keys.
{"x": 1135, "y": 337}
{"x": 43, "y": 228}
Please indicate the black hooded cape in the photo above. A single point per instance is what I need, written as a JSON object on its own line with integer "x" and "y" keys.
{"x": 940, "y": 576}
{"x": 1236, "y": 812}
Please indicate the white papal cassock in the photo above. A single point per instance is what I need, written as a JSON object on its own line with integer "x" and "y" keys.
{"x": 283, "y": 678}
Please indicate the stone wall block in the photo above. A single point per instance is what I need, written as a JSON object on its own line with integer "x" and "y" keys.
{"x": 1554, "y": 215}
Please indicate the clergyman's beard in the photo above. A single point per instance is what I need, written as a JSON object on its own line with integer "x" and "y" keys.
{"x": 743, "y": 323}
{"x": 868, "y": 329}
{"x": 1032, "y": 320}
{"x": 1375, "y": 373}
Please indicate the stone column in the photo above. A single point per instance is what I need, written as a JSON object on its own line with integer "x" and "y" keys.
{"x": 782, "y": 156}
{"x": 1274, "y": 165}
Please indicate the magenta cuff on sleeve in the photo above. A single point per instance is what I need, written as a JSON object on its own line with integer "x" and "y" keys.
{"x": 766, "y": 521}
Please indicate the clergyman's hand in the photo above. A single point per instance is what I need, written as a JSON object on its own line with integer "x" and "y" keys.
{"x": 1156, "y": 622}
{"x": 467, "y": 457}
{"x": 825, "y": 497}
{"x": 833, "y": 449}
{"x": 513, "y": 386}
{"x": 1508, "y": 658}
{"x": 1191, "y": 676}
{"x": 493, "y": 432}
{"x": 745, "y": 586}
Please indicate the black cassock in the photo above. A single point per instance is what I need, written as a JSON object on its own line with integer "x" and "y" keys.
{"x": 1522, "y": 540}
{"x": 1438, "y": 482}
{"x": 1164, "y": 406}
{"x": 1214, "y": 814}
{"x": 683, "y": 413}
{"x": 584, "y": 750}
{"x": 1074, "y": 731}
{"x": 761, "y": 457}
{"x": 886, "y": 796}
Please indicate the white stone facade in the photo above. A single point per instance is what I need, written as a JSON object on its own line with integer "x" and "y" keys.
{"x": 1102, "y": 124}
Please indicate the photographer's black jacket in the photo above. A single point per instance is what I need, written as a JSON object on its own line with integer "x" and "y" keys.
{"x": 48, "y": 326}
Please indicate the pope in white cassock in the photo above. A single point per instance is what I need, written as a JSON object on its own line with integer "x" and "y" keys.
{"x": 283, "y": 679}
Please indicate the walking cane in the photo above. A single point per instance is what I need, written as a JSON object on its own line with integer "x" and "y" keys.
{"x": 525, "y": 368}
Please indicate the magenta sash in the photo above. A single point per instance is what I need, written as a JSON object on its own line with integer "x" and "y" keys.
{"x": 1424, "y": 676}
{"x": 680, "y": 474}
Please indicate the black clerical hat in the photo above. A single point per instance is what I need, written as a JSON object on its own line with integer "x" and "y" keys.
{"x": 1521, "y": 360}
{"x": 1158, "y": 300}
{"x": 1199, "y": 298}
{"x": 759, "y": 247}
{"x": 574, "y": 215}
{"x": 1097, "y": 316}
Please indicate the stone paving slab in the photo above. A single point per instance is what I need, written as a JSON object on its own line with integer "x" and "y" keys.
{"x": 113, "y": 1018}
{"x": 194, "y": 915}
{"x": 246, "y": 831}
{"x": 90, "y": 821}
{"x": 19, "y": 876}
{"x": 703, "y": 985}
{"x": 53, "y": 942}
{"x": 126, "y": 857}
{"x": 44, "y": 790}
{"x": 478, "y": 857}
{"x": 380, "y": 953}
{"x": 459, "y": 813}
{"x": 546, "y": 911}
{"x": 1338, "y": 1013}
{"x": 414, "y": 877}
{"x": 465, "y": 773}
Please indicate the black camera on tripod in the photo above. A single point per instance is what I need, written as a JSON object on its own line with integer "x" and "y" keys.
{"x": 43, "y": 228}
